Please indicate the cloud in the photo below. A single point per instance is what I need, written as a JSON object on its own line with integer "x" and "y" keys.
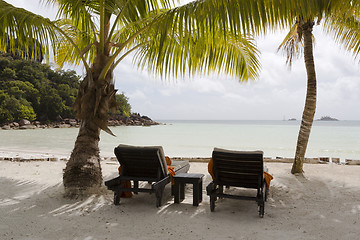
{"x": 277, "y": 93}
{"x": 39, "y": 8}
{"x": 207, "y": 85}
{"x": 138, "y": 95}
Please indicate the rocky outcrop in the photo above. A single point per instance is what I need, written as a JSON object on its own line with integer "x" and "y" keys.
{"x": 114, "y": 120}
{"x": 135, "y": 119}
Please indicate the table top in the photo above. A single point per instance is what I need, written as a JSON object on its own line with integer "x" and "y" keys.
{"x": 189, "y": 175}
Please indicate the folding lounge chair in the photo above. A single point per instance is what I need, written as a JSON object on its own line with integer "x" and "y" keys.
{"x": 143, "y": 164}
{"x": 237, "y": 169}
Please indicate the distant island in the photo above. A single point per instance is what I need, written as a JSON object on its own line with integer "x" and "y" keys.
{"x": 327, "y": 118}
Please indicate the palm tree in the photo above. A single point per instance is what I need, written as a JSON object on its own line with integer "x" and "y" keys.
{"x": 306, "y": 28}
{"x": 300, "y": 39}
{"x": 301, "y": 33}
{"x": 201, "y": 36}
{"x": 257, "y": 17}
{"x": 99, "y": 34}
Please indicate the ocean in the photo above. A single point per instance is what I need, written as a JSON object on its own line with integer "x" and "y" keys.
{"x": 334, "y": 139}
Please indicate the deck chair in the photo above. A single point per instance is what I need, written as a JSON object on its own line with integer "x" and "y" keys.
{"x": 143, "y": 164}
{"x": 237, "y": 169}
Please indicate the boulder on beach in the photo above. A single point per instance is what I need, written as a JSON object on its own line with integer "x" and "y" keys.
{"x": 27, "y": 127}
{"x": 24, "y": 122}
{"x": 6, "y": 127}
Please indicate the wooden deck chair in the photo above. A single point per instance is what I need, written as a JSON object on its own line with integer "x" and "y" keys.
{"x": 237, "y": 169}
{"x": 143, "y": 164}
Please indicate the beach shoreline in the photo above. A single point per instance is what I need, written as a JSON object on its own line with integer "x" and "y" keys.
{"x": 322, "y": 204}
{"x": 35, "y": 156}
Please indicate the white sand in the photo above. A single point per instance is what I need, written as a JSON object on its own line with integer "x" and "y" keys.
{"x": 323, "y": 205}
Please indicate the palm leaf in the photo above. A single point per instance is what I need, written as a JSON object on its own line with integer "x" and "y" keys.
{"x": 68, "y": 52}
{"x": 198, "y": 53}
{"x": 30, "y": 30}
{"x": 292, "y": 45}
{"x": 346, "y": 32}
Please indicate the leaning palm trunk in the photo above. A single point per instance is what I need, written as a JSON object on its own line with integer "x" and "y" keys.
{"x": 310, "y": 102}
{"x": 83, "y": 170}
{"x": 95, "y": 98}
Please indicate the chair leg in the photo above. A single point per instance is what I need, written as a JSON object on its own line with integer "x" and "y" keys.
{"x": 261, "y": 210}
{"x": 266, "y": 193}
{"x": 158, "y": 195}
{"x": 136, "y": 186}
{"x": 261, "y": 201}
{"x": 221, "y": 190}
{"x": 212, "y": 202}
{"x": 117, "y": 198}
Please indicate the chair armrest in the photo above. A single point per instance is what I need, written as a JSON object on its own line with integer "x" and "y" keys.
{"x": 161, "y": 183}
{"x": 113, "y": 182}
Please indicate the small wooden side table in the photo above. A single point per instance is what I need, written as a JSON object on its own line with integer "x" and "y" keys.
{"x": 181, "y": 179}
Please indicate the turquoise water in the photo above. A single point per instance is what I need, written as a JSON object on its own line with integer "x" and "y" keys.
{"x": 198, "y": 138}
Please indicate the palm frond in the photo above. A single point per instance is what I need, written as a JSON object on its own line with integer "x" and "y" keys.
{"x": 172, "y": 56}
{"x": 345, "y": 31}
{"x": 74, "y": 52}
{"x": 292, "y": 45}
{"x": 29, "y": 30}
{"x": 244, "y": 16}
{"x": 79, "y": 11}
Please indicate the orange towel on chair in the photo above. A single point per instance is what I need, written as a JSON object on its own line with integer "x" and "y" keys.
{"x": 267, "y": 176}
{"x": 127, "y": 184}
{"x": 210, "y": 168}
{"x": 170, "y": 169}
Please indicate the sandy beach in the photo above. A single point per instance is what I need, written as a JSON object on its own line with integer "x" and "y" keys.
{"x": 324, "y": 204}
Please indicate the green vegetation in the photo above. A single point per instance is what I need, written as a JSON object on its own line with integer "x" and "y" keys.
{"x": 123, "y": 105}
{"x": 33, "y": 91}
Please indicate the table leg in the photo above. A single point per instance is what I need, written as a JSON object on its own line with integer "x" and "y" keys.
{"x": 182, "y": 191}
{"x": 196, "y": 194}
{"x": 176, "y": 192}
{"x": 200, "y": 191}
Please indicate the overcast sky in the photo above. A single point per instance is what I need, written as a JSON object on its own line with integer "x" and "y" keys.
{"x": 278, "y": 93}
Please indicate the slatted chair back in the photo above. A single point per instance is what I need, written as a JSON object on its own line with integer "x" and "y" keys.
{"x": 238, "y": 168}
{"x": 142, "y": 162}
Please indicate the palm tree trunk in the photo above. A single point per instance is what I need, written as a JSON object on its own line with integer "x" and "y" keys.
{"x": 82, "y": 174}
{"x": 83, "y": 171}
{"x": 310, "y": 102}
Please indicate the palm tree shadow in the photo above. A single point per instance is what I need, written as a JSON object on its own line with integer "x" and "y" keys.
{"x": 18, "y": 195}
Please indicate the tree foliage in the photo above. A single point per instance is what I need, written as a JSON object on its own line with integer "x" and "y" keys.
{"x": 33, "y": 91}
{"x": 123, "y": 105}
